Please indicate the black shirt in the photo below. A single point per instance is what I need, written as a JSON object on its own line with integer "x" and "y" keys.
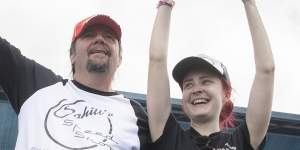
{"x": 175, "y": 138}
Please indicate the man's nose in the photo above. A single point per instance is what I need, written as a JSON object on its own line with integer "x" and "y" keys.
{"x": 99, "y": 39}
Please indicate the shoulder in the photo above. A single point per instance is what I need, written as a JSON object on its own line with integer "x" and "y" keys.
{"x": 174, "y": 137}
{"x": 237, "y": 137}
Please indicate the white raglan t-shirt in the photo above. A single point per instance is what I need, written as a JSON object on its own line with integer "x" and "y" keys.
{"x": 57, "y": 114}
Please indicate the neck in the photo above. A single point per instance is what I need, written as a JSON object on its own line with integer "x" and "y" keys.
{"x": 97, "y": 81}
{"x": 206, "y": 128}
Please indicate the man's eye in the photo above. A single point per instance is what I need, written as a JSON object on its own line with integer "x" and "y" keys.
{"x": 109, "y": 37}
{"x": 88, "y": 34}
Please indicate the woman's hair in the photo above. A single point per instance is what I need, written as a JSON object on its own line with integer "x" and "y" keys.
{"x": 226, "y": 115}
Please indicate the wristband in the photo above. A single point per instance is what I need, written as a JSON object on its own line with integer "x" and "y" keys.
{"x": 169, "y": 3}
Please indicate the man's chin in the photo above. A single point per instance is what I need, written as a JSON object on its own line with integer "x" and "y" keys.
{"x": 97, "y": 67}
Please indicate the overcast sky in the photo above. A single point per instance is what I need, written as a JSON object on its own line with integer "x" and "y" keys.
{"x": 43, "y": 29}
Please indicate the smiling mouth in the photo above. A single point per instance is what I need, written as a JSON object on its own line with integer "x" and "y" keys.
{"x": 105, "y": 52}
{"x": 199, "y": 101}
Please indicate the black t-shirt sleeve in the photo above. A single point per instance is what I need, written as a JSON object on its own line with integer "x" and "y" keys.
{"x": 20, "y": 77}
{"x": 142, "y": 123}
{"x": 242, "y": 133}
{"x": 173, "y": 137}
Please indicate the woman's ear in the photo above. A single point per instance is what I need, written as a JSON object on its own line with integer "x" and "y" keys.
{"x": 227, "y": 94}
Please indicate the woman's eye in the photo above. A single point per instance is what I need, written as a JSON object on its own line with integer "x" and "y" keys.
{"x": 187, "y": 85}
{"x": 206, "y": 81}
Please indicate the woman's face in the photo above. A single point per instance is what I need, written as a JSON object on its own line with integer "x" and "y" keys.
{"x": 203, "y": 96}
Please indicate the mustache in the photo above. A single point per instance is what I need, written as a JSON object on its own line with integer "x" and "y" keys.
{"x": 99, "y": 49}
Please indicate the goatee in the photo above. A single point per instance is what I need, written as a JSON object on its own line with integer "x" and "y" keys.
{"x": 97, "y": 68}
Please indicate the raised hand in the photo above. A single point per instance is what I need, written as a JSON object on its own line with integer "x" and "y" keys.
{"x": 169, "y": 3}
{"x": 248, "y": 1}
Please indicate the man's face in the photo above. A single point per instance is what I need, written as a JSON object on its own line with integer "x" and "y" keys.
{"x": 96, "y": 51}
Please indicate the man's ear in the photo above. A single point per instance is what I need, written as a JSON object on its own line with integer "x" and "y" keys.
{"x": 72, "y": 58}
{"x": 120, "y": 60}
{"x": 72, "y": 54}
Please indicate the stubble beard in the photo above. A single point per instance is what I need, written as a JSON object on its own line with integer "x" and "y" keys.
{"x": 93, "y": 67}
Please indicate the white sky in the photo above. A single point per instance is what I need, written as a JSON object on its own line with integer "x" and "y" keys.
{"x": 43, "y": 29}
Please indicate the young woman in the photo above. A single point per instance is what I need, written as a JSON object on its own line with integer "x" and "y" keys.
{"x": 206, "y": 93}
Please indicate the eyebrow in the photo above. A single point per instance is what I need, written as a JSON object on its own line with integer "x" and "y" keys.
{"x": 205, "y": 76}
{"x": 187, "y": 80}
{"x": 201, "y": 78}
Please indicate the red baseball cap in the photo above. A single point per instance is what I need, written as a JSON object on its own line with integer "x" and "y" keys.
{"x": 97, "y": 19}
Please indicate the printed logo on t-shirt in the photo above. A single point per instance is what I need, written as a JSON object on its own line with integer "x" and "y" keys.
{"x": 226, "y": 147}
{"x": 70, "y": 125}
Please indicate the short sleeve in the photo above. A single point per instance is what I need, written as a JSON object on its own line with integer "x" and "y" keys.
{"x": 173, "y": 137}
{"x": 241, "y": 135}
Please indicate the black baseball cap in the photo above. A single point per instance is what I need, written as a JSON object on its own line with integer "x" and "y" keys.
{"x": 200, "y": 61}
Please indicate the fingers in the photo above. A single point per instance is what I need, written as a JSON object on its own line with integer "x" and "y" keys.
{"x": 169, "y": 3}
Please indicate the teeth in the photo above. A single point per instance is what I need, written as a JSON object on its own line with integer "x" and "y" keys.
{"x": 200, "y": 101}
{"x": 98, "y": 51}
{"x": 102, "y": 52}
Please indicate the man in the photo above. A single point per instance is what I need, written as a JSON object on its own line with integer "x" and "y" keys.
{"x": 83, "y": 113}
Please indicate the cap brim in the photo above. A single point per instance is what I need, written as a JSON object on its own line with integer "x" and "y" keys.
{"x": 188, "y": 64}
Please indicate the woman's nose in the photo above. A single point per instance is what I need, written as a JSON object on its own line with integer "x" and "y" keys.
{"x": 197, "y": 89}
